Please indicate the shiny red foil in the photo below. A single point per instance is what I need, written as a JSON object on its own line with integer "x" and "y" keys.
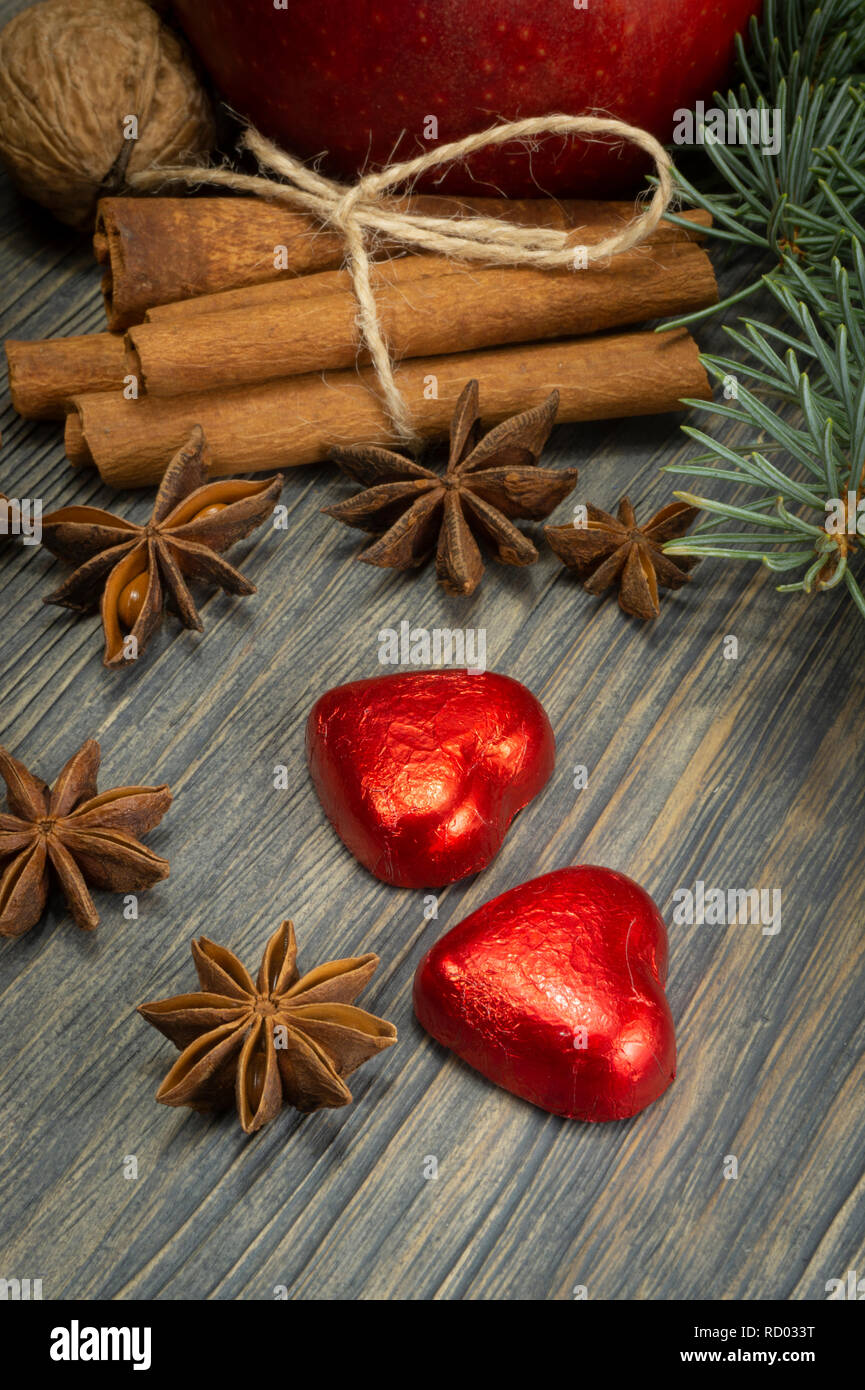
{"x": 421, "y": 773}
{"x": 555, "y": 991}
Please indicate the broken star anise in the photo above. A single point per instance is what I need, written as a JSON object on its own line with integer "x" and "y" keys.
{"x": 284, "y": 1039}
{"x": 488, "y": 481}
{"x": 610, "y": 550}
{"x": 81, "y": 835}
{"x": 132, "y": 571}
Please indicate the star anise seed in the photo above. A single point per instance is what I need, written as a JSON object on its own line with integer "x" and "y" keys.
{"x": 131, "y": 571}
{"x": 284, "y": 1039}
{"x": 610, "y": 550}
{"x": 488, "y": 482}
{"x": 80, "y": 835}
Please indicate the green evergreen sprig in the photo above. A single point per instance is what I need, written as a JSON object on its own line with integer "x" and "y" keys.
{"x": 799, "y": 396}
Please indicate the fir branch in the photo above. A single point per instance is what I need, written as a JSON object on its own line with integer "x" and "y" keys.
{"x": 807, "y": 61}
{"x": 799, "y": 397}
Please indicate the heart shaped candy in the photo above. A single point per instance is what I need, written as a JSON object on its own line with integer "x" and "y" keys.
{"x": 421, "y": 773}
{"x": 554, "y": 990}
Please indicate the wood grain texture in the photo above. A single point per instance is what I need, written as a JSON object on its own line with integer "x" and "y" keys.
{"x": 743, "y": 773}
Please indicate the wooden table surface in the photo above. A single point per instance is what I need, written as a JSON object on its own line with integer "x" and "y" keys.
{"x": 741, "y": 773}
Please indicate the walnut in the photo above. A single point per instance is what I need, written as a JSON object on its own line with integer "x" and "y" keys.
{"x": 91, "y": 90}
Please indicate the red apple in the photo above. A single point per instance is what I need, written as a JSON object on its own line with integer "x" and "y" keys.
{"x": 359, "y": 79}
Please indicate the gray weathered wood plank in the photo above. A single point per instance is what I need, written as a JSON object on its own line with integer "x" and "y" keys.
{"x": 740, "y": 773}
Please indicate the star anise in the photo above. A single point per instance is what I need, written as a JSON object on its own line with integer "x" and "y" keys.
{"x": 283, "y": 1040}
{"x": 609, "y": 551}
{"x": 79, "y": 834}
{"x": 488, "y": 481}
{"x": 133, "y": 571}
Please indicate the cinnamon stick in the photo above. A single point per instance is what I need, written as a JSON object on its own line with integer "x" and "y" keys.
{"x": 461, "y": 308}
{"x": 298, "y": 420}
{"x": 158, "y": 250}
{"x": 45, "y": 374}
{"x": 399, "y": 270}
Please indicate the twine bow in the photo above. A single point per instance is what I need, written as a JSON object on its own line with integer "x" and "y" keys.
{"x": 358, "y": 213}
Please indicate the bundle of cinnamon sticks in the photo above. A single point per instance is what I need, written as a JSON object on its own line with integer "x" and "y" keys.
{"x": 232, "y": 313}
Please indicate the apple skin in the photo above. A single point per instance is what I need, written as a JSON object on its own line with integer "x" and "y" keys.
{"x": 358, "y": 78}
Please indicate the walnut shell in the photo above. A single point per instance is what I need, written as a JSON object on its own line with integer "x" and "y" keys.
{"x": 71, "y": 72}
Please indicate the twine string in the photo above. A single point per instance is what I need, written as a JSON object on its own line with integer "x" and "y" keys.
{"x": 359, "y": 214}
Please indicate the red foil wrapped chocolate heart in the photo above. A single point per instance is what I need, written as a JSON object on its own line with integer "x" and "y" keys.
{"x": 421, "y": 773}
{"x": 555, "y": 990}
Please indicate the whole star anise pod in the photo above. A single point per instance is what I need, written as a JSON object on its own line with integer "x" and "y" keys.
{"x": 282, "y": 1040}
{"x": 610, "y": 550}
{"x": 132, "y": 571}
{"x": 488, "y": 481}
{"x": 77, "y": 833}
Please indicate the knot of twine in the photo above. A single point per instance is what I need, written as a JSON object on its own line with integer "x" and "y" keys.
{"x": 358, "y": 214}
